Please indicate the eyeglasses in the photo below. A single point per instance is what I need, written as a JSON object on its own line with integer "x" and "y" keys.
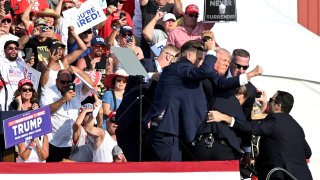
{"x": 6, "y": 20}
{"x": 12, "y": 48}
{"x": 112, "y": 120}
{"x": 170, "y": 54}
{"x": 26, "y": 89}
{"x": 67, "y": 7}
{"x": 240, "y": 66}
{"x": 125, "y": 35}
{"x": 206, "y": 38}
{"x": 272, "y": 100}
{"x": 193, "y": 15}
{"x": 65, "y": 82}
{"x": 121, "y": 2}
{"x": 98, "y": 46}
{"x": 121, "y": 80}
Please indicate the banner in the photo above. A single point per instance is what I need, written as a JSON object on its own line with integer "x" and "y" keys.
{"x": 27, "y": 126}
{"x": 30, "y": 73}
{"x": 220, "y": 10}
{"x": 87, "y": 16}
{"x": 158, "y": 47}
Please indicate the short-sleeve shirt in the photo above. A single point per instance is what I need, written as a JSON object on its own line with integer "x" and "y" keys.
{"x": 108, "y": 98}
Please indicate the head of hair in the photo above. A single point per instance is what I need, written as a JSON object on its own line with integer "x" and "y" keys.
{"x": 241, "y": 53}
{"x": 242, "y": 90}
{"x": 191, "y": 45}
{"x": 34, "y": 97}
{"x": 223, "y": 50}
{"x": 62, "y": 72}
{"x": 286, "y": 100}
{"x": 169, "y": 47}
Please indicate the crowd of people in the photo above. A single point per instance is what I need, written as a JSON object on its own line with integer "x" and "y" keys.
{"x": 195, "y": 104}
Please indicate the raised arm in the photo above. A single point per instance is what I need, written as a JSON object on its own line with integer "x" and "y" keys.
{"x": 147, "y": 31}
{"x": 26, "y": 15}
{"x": 177, "y": 10}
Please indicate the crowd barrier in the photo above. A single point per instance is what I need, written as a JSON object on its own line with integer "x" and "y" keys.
{"x": 217, "y": 170}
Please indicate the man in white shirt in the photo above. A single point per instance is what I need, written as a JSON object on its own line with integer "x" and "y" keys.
{"x": 4, "y": 34}
{"x": 64, "y": 99}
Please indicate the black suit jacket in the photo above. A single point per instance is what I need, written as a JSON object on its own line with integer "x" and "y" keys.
{"x": 149, "y": 64}
{"x": 179, "y": 93}
{"x": 282, "y": 144}
{"x": 226, "y": 102}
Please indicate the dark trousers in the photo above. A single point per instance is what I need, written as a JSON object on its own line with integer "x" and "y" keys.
{"x": 162, "y": 147}
{"x": 219, "y": 150}
{"x": 56, "y": 154}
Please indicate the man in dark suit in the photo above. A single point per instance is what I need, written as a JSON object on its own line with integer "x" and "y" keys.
{"x": 128, "y": 113}
{"x": 180, "y": 104}
{"x": 282, "y": 142}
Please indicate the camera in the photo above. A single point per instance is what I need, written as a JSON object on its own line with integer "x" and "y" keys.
{"x": 46, "y": 28}
{"x": 258, "y": 95}
{"x": 129, "y": 39}
{"x": 71, "y": 86}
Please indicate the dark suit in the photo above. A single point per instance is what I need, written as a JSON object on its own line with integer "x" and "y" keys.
{"x": 179, "y": 93}
{"x": 282, "y": 144}
{"x": 224, "y": 101}
{"x": 149, "y": 64}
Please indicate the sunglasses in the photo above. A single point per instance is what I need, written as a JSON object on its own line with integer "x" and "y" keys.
{"x": 112, "y": 120}
{"x": 240, "y": 66}
{"x": 87, "y": 32}
{"x": 67, "y": 7}
{"x": 206, "y": 38}
{"x": 121, "y": 80}
{"x": 272, "y": 100}
{"x": 121, "y": 2}
{"x": 26, "y": 89}
{"x": 6, "y": 20}
{"x": 65, "y": 82}
{"x": 98, "y": 46}
{"x": 193, "y": 15}
{"x": 12, "y": 48}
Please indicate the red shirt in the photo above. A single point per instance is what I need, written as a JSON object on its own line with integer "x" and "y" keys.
{"x": 106, "y": 30}
{"x": 22, "y": 5}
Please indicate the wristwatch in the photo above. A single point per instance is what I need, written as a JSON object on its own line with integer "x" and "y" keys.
{"x": 115, "y": 28}
{"x": 31, "y": 145}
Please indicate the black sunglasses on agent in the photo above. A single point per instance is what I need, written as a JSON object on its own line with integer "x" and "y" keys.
{"x": 240, "y": 66}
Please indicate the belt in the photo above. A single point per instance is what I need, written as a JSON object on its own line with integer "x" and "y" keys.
{"x": 209, "y": 139}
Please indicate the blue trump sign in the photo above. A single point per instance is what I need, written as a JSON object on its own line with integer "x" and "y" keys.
{"x": 27, "y": 126}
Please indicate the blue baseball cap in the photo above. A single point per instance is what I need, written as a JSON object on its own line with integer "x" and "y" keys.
{"x": 98, "y": 40}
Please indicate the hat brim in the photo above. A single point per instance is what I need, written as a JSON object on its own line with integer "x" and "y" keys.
{"x": 108, "y": 81}
{"x": 42, "y": 14}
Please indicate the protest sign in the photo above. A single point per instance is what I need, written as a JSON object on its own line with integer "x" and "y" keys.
{"x": 156, "y": 49}
{"x": 220, "y": 10}
{"x": 30, "y": 73}
{"x": 26, "y": 126}
{"x": 88, "y": 15}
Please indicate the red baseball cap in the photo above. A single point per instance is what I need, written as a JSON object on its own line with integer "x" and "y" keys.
{"x": 192, "y": 8}
{"x": 24, "y": 81}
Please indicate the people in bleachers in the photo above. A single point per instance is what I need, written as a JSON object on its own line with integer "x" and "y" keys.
{"x": 149, "y": 8}
{"x": 154, "y": 36}
{"x": 191, "y": 29}
{"x": 12, "y": 71}
{"x": 111, "y": 99}
{"x": 64, "y": 99}
{"x": 36, "y": 149}
{"x": 82, "y": 143}
{"x": 58, "y": 60}
{"x": 106, "y": 30}
{"x": 5, "y": 25}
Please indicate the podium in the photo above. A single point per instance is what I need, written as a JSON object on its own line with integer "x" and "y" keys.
{"x": 6, "y": 155}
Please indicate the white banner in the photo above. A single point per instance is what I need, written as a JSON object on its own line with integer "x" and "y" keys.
{"x": 30, "y": 73}
{"x": 88, "y": 15}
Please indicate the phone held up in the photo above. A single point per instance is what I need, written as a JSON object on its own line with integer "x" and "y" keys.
{"x": 258, "y": 95}
{"x": 71, "y": 87}
{"x": 129, "y": 39}
{"x": 122, "y": 14}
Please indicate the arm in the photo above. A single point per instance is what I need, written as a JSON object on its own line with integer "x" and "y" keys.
{"x": 43, "y": 151}
{"x": 115, "y": 32}
{"x": 45, "y": 69}
{"x": 81, "y": 64}
{"x": 84, "y": 76}
{"x": 177, "y": 10}
{"x": 148, "y": 30}
{"x": 70, "y": 58}
{"x": 24, "y": 151}
{"x": 25, "y": 16}
{"x": 77, "y": 125}
{"x": 65, "y": 98}
{"x": 58, "y": 7}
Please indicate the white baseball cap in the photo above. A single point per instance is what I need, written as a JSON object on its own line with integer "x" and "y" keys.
{"x": 168, "y": 16}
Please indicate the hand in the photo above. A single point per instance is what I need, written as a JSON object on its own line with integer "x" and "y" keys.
{"x": 155, "y": 76}
{"x": 69, "y": 95}
{"x": 159, "y": 15}
{"x": 35, "y": 106}
{"x": 255, "y": 72}
{"x": 216, "y": 116}
{"x": 19, "y": 100}
{"x": 210, "y": 44}
{"x": 111, "y": 9}
{"x": 71, "y": 30}
{"x": 36, "y": 141}
{"x": 54, "y": 57}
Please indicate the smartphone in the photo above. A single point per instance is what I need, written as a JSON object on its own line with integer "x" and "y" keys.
{"x": 129, "y": 39}
{"x": 122, "y": 14}
{"x": 258, "y": 95}
{"x": 72, "y": 87}
{"x": 28, "y": 54}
